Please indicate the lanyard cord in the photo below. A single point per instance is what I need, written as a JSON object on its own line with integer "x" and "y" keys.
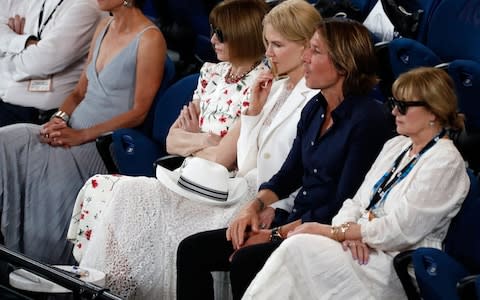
{"x": 383, "y": 185}
{"x": 40, "y": 18}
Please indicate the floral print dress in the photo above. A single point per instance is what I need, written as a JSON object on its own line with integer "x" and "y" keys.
{"x": 221, "y": 104}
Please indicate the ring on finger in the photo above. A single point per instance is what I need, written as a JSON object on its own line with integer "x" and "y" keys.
{"x": 47, "y": 135}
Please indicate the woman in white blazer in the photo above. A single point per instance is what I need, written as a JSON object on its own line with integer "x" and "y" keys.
{"x": 145, "y": 218}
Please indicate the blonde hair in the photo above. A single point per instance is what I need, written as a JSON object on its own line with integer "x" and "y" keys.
{"x": 435, "y": 87}
{"x": 241, "y": 24}
{"x": 296, "y": 20}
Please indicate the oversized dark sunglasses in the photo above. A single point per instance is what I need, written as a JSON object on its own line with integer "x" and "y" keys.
{"x": 218, "y": 32}
{"x": 403, "y": 106}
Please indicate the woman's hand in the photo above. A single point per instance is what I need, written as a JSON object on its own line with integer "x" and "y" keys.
{"x": 188, "y": 118}
{"x": 266, "y": 217}
{"x": 312, "y": 228}
{"x": 247, "y": 218}
{"x": 360, "y": 250}
{"x": 49, "y": 128}
{"x": 260, "y": 92}
{"x": 68, "y": 137}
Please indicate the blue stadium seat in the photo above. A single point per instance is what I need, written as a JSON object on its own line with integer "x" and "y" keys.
{"x": 168, "y": 76}
{"x": 133, "y": 151}
{"x": 466, "y": 75}
{"x": 452, "y": 33}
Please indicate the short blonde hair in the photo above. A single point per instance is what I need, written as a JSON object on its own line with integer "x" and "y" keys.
{"x": 296, "y": 20}
{"x": 241, "y": 24}
{"x": 435, "y": 87}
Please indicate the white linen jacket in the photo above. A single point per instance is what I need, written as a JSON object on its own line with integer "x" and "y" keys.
{"x": 264, "y": 159}
{"x": 60, "y": 54}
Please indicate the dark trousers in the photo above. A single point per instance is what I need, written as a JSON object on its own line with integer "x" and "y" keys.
{"x": 201, "y": 253}
{"x": 12, "y": 114}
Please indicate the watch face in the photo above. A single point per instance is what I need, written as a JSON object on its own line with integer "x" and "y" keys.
{"x": 276, "y": 239}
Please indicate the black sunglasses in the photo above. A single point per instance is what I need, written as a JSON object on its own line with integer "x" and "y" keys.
{"x": 403, "y": 106}
{"x": 218, "y": 32}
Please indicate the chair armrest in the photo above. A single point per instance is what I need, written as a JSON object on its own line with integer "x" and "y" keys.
{"x": 401, "y": 263}
{"x": 467, "y": 287}
{"x": 103, "y": 144}
{"x": 170, "y": 162}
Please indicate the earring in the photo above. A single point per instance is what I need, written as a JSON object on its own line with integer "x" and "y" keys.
{"x": 431, "y": 123}
{"x": 126, "y": 3}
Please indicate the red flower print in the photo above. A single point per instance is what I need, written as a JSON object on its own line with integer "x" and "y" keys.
{"x": 245, "y": 103}
{"x": 239, "y": 112}
{"x": 229, "y": 101}
{"x": 225, "y": 92}
{"x": 201, "y": 121}
{"x": 94, "y": 183}
{"x": 223, "y": 133}
{"x": 222, "y": 119}
{"x": 82, "y": 216}
{"x": 204, "y": 83}
{"x": 79, "y": 245}
{"x": 88, "y": 233}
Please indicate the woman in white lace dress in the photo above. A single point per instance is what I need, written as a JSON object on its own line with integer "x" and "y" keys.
{"x": 141, "y": 220}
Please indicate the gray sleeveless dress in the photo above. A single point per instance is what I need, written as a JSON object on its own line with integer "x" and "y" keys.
{"x": 39, "y": 183}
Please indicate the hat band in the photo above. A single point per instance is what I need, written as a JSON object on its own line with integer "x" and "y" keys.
{"x": 201, "y": 190}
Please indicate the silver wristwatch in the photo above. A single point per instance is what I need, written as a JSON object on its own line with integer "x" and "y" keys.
{"x": 62, "y": 115}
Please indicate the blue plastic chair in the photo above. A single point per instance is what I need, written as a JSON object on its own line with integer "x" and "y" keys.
{"x": 168, "y": 76}
{"x": 452, "y": 32}
{"x": 466, "y": 75}
{"x": 134, "y": 151}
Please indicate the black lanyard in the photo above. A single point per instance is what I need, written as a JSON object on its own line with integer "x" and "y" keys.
{"x": 40, "y": 18}
{"x": 384, "y": 184}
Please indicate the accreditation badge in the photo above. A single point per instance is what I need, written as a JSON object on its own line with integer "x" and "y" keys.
{"x": 40, "y": 85}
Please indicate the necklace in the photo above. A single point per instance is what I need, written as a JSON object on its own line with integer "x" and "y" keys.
{"x": 232, "y": 78}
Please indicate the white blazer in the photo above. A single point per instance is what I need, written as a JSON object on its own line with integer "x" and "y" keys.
{"x": 265, "y": 159}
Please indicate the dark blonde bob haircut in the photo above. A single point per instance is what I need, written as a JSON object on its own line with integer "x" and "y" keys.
{"x": 241, "y": 24}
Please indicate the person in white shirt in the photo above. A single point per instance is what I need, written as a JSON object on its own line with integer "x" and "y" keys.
{"x": 43, "y": 48}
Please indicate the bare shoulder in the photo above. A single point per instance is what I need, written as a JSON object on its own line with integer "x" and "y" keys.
{"x": 152, "y": 41}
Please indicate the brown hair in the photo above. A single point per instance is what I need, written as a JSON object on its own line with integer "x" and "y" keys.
{"x": 435, "y": 87}
{"x": 241, "y": 25}
{"x": 296, "y": 20}
{"x": 351, "y": 51}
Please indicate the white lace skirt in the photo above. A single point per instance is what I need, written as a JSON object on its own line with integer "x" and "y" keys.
{"x": 130, "y": 228}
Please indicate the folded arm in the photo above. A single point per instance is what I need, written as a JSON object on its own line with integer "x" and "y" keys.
{"x": 60, "y": 45}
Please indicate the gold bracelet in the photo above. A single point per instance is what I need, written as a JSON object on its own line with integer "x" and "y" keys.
{"x": 343, "y": 228}
{"x": 334, "y": 232}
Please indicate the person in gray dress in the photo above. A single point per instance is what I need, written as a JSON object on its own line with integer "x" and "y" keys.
{"x": 42, "y": 168}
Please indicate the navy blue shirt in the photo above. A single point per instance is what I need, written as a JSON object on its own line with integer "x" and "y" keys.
{"x": 331, "y": 168}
